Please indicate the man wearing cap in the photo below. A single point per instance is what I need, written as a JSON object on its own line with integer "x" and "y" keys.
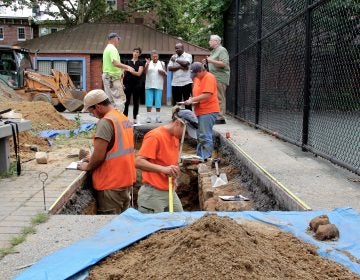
{"x": 112, "y": 69}
{"x": 218, "y": 64}
{"x": 158, "y": 159}
{"x": 181, "y": 84}
{"x": 206, "y": 107}
{"x": 112, "y": 162}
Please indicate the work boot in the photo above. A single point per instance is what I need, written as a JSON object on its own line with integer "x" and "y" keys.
{"x": 220, "y": 120}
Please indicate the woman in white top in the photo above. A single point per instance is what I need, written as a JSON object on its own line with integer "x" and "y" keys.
{"x": 154, "y": 83}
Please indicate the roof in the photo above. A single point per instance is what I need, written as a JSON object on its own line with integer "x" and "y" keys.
{"x": 91, "y": 38}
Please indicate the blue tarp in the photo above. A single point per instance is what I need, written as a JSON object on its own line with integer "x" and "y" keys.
{"x": 53, "y": 133}
{"x": 132, "y": 226}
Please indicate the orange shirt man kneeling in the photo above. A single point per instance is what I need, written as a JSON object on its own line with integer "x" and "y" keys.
{"x": 158, "y": 159}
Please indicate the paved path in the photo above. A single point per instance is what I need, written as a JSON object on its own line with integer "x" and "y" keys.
{"x": 317, "y": 182}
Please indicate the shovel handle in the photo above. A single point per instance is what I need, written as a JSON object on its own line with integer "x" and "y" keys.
{"x": 171, "y": 196}
{"x": 217, "y": 168}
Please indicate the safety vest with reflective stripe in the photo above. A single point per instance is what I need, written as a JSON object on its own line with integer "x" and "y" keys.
{"x": 118, "y": 169}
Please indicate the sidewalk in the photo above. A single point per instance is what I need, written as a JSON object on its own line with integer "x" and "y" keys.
{"x": 317, "y": 182}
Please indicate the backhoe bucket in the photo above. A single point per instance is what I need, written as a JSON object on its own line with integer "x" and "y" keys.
{"x": 65, "y": 92}
{"x": 72, "y": 105}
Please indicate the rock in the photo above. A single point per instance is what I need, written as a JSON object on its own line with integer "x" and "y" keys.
{"x": 317, "y": 221}
{"x": 327, "y": 232}
{"x": 34, "y": 148}
{"x": 41, "y": 157}
{"x": 210, "y": 204}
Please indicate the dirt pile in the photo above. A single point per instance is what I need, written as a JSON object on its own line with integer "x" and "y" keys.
{"x": 43, "y": 116}
{"x": 216, "y": 247}
{"x": 7, "y": 93}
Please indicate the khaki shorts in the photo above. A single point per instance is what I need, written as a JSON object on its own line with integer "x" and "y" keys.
{"x": 115, "y": 91}
{"x": 151, "y": 200}
{"x": 110, "y": 202}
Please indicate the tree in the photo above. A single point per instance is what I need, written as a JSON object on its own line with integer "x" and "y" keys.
{"x": 73, "y": 12}
{"x": 192, "y": 20}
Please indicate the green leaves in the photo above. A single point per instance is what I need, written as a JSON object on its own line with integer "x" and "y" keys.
{"x": 192, "y": 20}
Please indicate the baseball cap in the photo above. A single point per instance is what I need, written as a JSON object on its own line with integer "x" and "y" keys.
{"x": 190, "y": 120}
{"x": 113, "y": 35}
{"x": 195, "y": 68}
{"x": 94, "y": 97}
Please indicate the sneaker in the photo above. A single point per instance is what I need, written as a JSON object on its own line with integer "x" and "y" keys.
{"x": 148, "y": 119}
{"x": 135, "y": 121}
{"x": 158, "y": 120}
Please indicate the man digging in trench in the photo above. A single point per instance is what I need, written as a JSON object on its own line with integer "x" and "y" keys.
{"x": 158, "y": 159}
{"x": 113, "y": 162}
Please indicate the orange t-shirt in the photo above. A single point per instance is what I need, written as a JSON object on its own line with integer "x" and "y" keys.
{"x": 159, "y": 147}
{"x": 206, "y": 84}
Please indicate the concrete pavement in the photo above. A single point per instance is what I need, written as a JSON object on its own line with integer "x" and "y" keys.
{"x": 315, "y": 181}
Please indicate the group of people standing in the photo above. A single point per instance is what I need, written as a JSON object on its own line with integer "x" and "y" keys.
{"x": 113, "y": 163}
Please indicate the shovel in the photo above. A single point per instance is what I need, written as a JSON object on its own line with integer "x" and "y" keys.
{"x": 219, "y": 179}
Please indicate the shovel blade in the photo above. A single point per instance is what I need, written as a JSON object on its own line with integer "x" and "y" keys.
{"x": 218, "y": 181}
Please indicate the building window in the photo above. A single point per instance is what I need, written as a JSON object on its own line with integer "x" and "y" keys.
{"x": 1, "y": 33}
{"x": 74, "y": 67}
{"x": 21, "y": 34}
{"x": 111, "y": 4}
{"x": 53, "y": 30}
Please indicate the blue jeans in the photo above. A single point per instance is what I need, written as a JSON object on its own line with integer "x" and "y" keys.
{"x": 205, "y": 135}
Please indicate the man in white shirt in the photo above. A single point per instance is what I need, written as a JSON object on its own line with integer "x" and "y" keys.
{"x": 181, "y": 83}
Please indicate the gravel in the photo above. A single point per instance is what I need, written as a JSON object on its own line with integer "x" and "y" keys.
{"x": 58, "y": 232}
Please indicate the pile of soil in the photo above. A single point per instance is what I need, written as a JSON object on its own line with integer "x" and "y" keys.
{"x": 43, "y": 116}
{"x": 217, "y": 247}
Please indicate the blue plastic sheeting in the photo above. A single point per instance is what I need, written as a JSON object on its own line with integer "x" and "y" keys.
{"x": 132, "y": 226}
{"x": 53, "y": 133}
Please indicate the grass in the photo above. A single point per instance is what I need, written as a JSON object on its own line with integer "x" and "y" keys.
{"x": 11, "y": 172}
{"x": 36, "y": 220}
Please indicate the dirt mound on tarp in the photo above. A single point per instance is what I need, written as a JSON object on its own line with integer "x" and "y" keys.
{"x": 217, "y": 247}
{"x": 43, "y": 116}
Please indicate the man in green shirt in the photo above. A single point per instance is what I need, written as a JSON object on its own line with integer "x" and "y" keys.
{"x": 113, "y": 72}
{"x": 218, "y": 65}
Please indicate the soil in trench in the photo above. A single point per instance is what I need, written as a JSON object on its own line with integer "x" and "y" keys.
{"x": 215, "y": 247}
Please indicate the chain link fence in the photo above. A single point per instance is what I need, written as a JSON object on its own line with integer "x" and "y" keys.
{"x": 295, "y": 72}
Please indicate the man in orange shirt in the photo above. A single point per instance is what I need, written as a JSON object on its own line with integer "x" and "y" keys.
{"x": 158, "y": 159}
{"x": 206, "y": 107}
{"x": 113, "y": 161}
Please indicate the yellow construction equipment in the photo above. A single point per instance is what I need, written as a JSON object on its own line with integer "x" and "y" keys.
{"x": 16, "y": 72}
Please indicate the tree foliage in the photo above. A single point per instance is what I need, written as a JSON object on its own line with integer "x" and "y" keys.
{"x": 72, "y": 12}
{"x": 192, "y": 20}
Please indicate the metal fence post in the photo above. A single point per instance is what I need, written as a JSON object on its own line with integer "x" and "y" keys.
{"x": 307, "y": 81}
{"x": 258, "y": 63}
{"x": 237, "y": 7}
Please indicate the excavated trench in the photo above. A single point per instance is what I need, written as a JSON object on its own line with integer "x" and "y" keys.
{"x": 196, "y": 189}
